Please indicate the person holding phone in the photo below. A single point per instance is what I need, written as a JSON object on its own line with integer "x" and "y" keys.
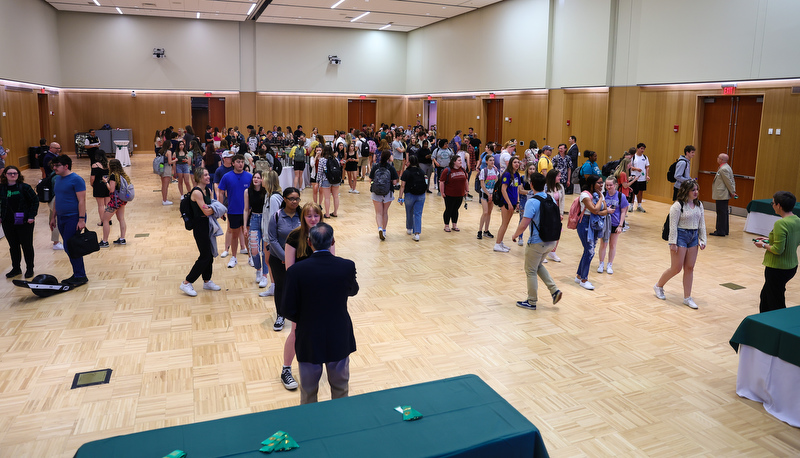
{"x": 780, "y": 258}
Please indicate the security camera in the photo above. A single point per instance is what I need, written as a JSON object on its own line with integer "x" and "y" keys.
{"x": 133, "y": 93}
{"x": 334, "y": 60}
{"x": 159, "y": 53}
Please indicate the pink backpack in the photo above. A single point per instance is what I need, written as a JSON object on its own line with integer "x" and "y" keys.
{"x": 575, "y": 214}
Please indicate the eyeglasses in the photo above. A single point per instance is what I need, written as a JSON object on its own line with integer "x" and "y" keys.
{"x": 293, "y": 199}
{"x": 11, "y": 173}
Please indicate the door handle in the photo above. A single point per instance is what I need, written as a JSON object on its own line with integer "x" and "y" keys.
{"x": 744, "y": 176}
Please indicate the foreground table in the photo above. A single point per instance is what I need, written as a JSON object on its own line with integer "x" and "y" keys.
{"x": 769, "y": 362}
{"x": 462, "y": 416}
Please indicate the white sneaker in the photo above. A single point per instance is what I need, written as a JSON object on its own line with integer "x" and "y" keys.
{"x": 58, "y": 246}
{"x": 182, "y": 197}
{"x": 166, "y": 202}
{"x": 600, "y": 269}
{"x": 577, "y": 280}
{"x": 409, "y": 231}
{"x": 416, "y": 237}
{"x": 384, "y": 234}
{"x": 689, "y": 302}
{"x": 232, "y": 263}
{"x": 659, "y": 292}
{"x": 250, "y": 261}
{"x": 609, "y": 270}
{"x": 263, "y": 282}
{"x": 544, "y": 261}
{"x": 554, "y": 257}
{"x": 269, "y": 292}
{"x": 224, "y": 254}
{"x": 188, "y": 289}
{"x": 350, "y": 191}
{"x": 586, "y": 285}
{"x": 504, "y": 246}
{"x": 519, "y": 241}
{"x": 211, "y": 285}
{"x": 244, "y": 251}
{"x": 356, "y": 191}
{"x": 499, "y": 248}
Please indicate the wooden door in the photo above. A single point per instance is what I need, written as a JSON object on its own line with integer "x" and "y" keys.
{"x": 360, "y": 112}
{"x": 494, "y": 120}
{"x": 216, "y": 112}
{"x": 731, "y": 125}
{"x": 353, "y": 113}
{"x": 44, "y": 116}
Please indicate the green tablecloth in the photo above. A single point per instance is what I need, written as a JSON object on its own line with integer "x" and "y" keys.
{"x": 775, "y": 333}
{"x": 462, "y": 416}
{"x": 765, "y": 206}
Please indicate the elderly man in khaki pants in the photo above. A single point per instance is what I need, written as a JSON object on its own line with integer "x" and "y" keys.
{"x": 721, "y": 191}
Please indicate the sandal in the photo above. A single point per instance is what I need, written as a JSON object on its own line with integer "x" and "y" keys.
{"x": 456, "y": 229}
{"x": 447, "y": 228}
{"x": 334, "y": 215}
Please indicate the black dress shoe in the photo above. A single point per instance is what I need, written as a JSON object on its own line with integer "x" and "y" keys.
{"x": 13, "y": 273}
{"x": 28, "y": 273}
{"x": 76, "y": 281}
{"x": 715, "y": 234}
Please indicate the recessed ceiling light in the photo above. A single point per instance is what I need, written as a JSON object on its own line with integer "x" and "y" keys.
{"x": 252, "y": 7}
{"x": 337, "y": 4}
{"x": 97, "y": 3}
{"x": 119, "y": 10}
{"x": 385, "y": 27}
{"x": 359, "y": 17}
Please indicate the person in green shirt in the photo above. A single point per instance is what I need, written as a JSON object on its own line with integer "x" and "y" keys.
{"x": 780, "y": 259}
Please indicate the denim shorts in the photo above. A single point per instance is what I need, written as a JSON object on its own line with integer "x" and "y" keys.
{"x": 324, "y": 183}
{"x": 182, "y": 168}
{"x": 687, "y": 238}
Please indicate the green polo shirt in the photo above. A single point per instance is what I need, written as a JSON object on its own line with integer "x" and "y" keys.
{"x": 783, "y": 241}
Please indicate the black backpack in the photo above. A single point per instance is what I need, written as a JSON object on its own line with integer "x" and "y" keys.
{"x": 382, "y": 183}
{"x": 416, "y": 184}
{"x": 665, "y": 230}
{"x": 497, "y": 194}
{"x": 549, "y": 221}
{"x": 44, "y": 190}
{"x": 333, "y": 171}
{"x": 609, "y": 167}
{"x": 364, "y": 148}
{"x": 186, "y": 210}
{"x": 671, "y": 172}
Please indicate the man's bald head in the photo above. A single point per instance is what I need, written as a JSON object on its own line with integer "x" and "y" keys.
{"x": 722, "y": 158}
{"x": 55, "y": 147}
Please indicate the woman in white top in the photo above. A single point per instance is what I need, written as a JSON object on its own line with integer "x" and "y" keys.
{"x": 687, "y": 232}
{"x": 592, "y": 203}
{"x": 555, "y": 189}
{"x": 312, "y": 163}
{"x": 618, "y": 205}
{"x": 488, "y": 178}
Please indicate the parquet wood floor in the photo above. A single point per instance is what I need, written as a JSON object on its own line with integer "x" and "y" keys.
{"x": 608, "y": 372}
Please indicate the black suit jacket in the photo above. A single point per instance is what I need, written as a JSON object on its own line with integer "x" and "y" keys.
{"x": 315, "y": 299}
{"x": 573, "y": 154}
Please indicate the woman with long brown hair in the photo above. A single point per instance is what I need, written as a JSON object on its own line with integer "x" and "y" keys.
{"x": 115, "y": 204}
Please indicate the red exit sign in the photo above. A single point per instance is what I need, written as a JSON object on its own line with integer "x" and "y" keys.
{"x": 729, "y": 90}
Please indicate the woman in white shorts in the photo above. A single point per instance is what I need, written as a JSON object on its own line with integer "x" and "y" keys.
{"x": 383, "y": 177}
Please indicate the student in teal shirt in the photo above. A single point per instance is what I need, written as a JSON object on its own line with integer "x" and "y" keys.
{"x": 780, "y": 259}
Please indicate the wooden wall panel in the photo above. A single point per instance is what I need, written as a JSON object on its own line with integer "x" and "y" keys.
{"x": 778, "y": 167}
{"x": 623, "y": 120}
{"x": 392, "y": 109}
{"x": 557, "y": 131}
{"x": 459, "y": 114}
{"x": 588, "y": 116}
{"x": 233, "y": 112}
{"x": 20, "y": 127}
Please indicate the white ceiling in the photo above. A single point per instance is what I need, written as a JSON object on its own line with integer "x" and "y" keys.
{"x": 404, "y": 15}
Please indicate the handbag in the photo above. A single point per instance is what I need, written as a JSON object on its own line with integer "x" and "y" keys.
{"x": 82, "y": 243}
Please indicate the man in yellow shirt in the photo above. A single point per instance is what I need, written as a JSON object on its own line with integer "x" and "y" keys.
{"x": 545, "y": 160}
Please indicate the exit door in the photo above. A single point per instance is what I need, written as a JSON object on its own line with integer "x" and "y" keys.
{"x": 494, "y": 120}
{"x": 429, "y": 114}
{"x": 731, "y": 125}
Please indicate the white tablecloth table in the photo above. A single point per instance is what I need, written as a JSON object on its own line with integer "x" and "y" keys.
{"x": 122, "y": 153}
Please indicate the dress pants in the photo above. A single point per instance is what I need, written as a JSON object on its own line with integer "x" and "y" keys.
{"x": 20, "y": 239}
{"x": 773, "y": 294}
{"x": 338, "y": 377}
{"x": 722, "y": 217}
{"x": 205, "y": 261}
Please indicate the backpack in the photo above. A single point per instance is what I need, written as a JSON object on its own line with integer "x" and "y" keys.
{"x": 197, "y": 160}
{"x": 158, "y": 164}
{"x": 364, "y": 148}
{"x": 372, "y": 146}
{"x": 44, "y": 190}
{"x": 186, "y": 210}
{"x": 277, "y": 166}
{"x": 252, "y": 144}
{"x": 609, "y": 167}
{"x": 125, "y": 192}
{"x": 549, "y": 220}
{"x": 453, "y": 145}
{"x": 382, "y": 183}
{"x": 575, "y": 214}
{"x": 665, "y": 230}
{"x": 497, "y": 195}
{"x": 333, "y": 171}
{"x": 671, "y": 172}
{"x": 416, "y": 184}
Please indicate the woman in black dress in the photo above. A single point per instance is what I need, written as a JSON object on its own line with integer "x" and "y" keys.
{"x": 351, "y": 167}
{"x": 99, "y": 189}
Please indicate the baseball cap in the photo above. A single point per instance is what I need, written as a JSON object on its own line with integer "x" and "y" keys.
{"x": 548, "y": 147}
{"x": 227, "y": 153}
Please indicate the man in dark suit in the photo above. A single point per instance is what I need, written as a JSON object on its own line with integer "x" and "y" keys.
{"x": 573, "y": 154}
{"x": 324, "y": 329}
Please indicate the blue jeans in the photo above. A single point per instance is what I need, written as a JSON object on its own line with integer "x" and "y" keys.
{"x": 523, "y": 198}
{"x": 588, "y": 243}
{"x": 68, "y": 226}
{"x": 414, "y": 204}
{"x": 257, "y": 242}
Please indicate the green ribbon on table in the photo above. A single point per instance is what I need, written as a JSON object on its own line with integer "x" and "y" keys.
{"x": 278, "y": 442}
